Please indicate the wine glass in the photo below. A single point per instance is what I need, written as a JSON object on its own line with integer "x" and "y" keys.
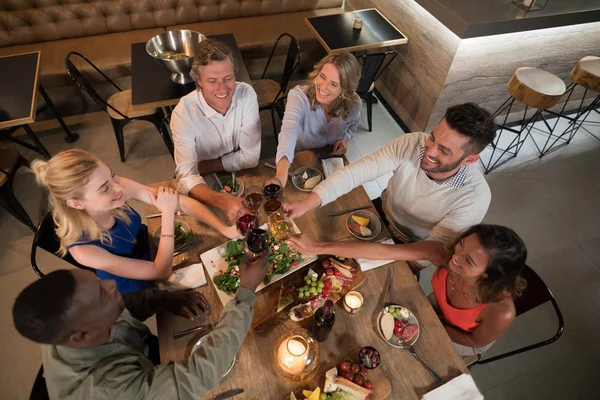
{"x": 245, "y": 220}
{"x": 280, "y": 227}
{"x": 257, "y": 240}
{"x": 254, "y": 198}
{"x": 272, "y": 204}
{"x": 273, "y": 187}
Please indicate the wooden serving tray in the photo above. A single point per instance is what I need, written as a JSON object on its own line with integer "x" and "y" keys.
{"x": 382, "y": 387}
{"x": 265, "y": 308}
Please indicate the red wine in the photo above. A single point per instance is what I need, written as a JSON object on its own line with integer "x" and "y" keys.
{"x": 323, "y": 322}
{"x": 245, "y": 222}
{"x": 272, "y": 189}
{"x": 272, "y": 204}
{"x": 253, "y": 201}
{"x": 257, "y": 240}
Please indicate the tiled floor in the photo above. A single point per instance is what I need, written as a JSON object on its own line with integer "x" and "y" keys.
{"x": 553, "y": 204}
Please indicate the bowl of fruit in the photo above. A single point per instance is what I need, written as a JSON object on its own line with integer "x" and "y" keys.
{"x": 369, "y": 357}
{"x": 398, "y": 326}
{"x": 363, "y": 225}
{"x": 305, "y": 179}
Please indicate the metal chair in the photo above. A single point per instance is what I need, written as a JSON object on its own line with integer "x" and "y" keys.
{"x": 371, "y": 71}
{"x": 118, "y": 106}
{"x": 45, "y": 237}
{"x": 535, "y": 294}
{"x": 267, "y": 90}
{"x": 165, "y": 132}
{"x": 10, "y": 162}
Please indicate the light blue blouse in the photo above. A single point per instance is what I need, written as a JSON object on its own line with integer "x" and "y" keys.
{"x": 304, "y": 129}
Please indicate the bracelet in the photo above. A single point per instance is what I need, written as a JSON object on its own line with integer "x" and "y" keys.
{"x": 162, "y": 235}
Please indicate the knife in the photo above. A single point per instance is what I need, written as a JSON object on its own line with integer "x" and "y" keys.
{"x": 227, "y": 394}
{"x": 200, "y": 328}
{"x": 387, "y": 297}
{"x": 338, "y": 213}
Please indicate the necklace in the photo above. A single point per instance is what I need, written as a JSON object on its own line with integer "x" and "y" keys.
{"x": 133, "y": 238}
{"x": 452, "y": 278}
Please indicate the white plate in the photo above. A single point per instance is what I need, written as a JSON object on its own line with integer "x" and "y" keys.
{"x": 214, "y": 262}
{"x": 395, "y": 341}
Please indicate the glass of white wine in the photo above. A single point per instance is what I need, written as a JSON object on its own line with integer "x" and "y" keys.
{"x": 280, "y": 227}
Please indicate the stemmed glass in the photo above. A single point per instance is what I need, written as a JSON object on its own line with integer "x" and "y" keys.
{"x": 273, "y": 187}
{"x": 254, "y": 198}
{"x": 257, "y": 241}
{"x": 246, "y": 220}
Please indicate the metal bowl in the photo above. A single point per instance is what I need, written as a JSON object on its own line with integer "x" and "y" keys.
{"x": 374, "y": 224}
{"x": 310, "y": 172}
{"x": 174, "y": 50}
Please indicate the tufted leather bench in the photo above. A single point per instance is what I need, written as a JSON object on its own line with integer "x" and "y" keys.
{"x": 104, "y": 30}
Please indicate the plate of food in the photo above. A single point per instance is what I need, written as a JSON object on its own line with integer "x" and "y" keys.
{"x": 229, "y": 186}
{"x": 398, "y": 326}
{"x": 363, "y": 225}
{"x": 183, "y": 234}
{"x": 222, "y": 264}
{"x": 306, "y": 178}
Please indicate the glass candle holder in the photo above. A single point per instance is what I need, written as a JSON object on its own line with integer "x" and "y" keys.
{"x": 353, "y": 302}
{"x": 296, "y": 356}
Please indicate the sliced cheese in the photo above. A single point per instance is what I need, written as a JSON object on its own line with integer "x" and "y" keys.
{"x": 293, "y": 396}
{"x": 330, "y": 385}
{"x": 316, "y": 394}
{"x": 307, "y": 393}
{"x": 361, "y": 220}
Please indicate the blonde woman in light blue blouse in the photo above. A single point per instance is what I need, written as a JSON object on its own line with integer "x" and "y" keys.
{"x": 325, "y": 111}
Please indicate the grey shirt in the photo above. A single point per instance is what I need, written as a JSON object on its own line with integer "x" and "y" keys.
{"x": 120, "y": 369}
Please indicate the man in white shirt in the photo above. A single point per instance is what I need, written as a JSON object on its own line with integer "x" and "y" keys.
{"x": 216, "y": 127}
{"x": 434, "y": 192}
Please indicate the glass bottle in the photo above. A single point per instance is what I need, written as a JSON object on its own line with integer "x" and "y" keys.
{"x": 323, "y": 322}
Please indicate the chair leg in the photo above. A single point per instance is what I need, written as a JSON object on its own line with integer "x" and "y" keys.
{"x": 13, "y": 206}
{"x": 118, "y": 128}
{"x": 370, "y": 111}
{"x": 274, "y": 126}
{"x": 157, "y": 120}
{"x": 71, "y": 137}
{"x": 40, "y": 147}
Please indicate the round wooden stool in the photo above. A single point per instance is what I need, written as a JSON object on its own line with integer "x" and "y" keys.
{"x": 536, "y": 89}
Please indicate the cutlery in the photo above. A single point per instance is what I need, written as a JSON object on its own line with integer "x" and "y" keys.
{"x": 427, "y": 367}
{"x": 338, "y": 213}
{"x": 218, "y": 181}
{"x": 274, "y": 167}
{"x": 178, "y": 213}
{"x": 317, "y": 156}
{"x": 227, "y": 394}
{"x": 201, "y": 328}
{"x": 387, "y": 297}
{"x": 233, "y": 180}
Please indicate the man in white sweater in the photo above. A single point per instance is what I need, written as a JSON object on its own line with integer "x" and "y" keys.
{"x": 434, "y": 192}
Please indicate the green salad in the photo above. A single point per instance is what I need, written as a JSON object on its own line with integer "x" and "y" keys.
{"x": 181, "y": 237}
{"x": 281, "y": 259}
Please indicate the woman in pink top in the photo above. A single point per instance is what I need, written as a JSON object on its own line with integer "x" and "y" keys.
{"x": 473, "y": 287}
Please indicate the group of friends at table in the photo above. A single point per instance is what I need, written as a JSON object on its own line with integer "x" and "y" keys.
{"x": 94, "y": 343}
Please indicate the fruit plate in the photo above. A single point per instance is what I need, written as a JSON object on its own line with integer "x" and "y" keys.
{"x": 215, "y": 263}
{"x": 405, "y": 315}
{"x": 373, "y": 224}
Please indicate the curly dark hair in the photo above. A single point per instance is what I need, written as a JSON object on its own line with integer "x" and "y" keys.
{"x": 41, "y": 310}
{"x": 507, "y": 255}
{"x": 472, "y": 121}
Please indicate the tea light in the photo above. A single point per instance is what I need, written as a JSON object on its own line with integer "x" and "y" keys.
{"x": 293, "y": 354}
{"x": 353, "y": 302}
{"x": 357, "y": 23}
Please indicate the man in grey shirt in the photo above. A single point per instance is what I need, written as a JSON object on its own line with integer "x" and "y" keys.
{"x": 94, "y": 345}
{"x": 434, "y": 192}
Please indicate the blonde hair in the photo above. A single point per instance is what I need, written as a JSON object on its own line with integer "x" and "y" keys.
{"x": 65, "y": 176}
{"x": 349, "y": 71}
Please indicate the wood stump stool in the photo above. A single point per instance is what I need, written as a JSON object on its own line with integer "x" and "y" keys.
{"x": 536, "y": 89}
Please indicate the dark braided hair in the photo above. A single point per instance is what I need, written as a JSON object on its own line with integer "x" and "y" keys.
{"x": 41, "y": 310}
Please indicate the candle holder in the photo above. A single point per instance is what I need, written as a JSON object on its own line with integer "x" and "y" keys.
{"x": 358, "y": 22}
{"x": 353, "y": 302}
{"x": 296, "y": 356}
{"x": 530, "y": 5}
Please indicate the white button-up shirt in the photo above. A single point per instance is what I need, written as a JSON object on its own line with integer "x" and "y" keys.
{"x": 200, "y": 133}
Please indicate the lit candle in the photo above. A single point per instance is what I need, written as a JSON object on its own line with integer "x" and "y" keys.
{"x": 293, "y": 354}
{"x": 357, "y": 23}
{"x": 353, "y": 301}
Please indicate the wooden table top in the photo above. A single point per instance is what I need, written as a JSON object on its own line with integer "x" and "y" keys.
{"x": 151, "y": 83}
{"x": 408, "y": 379}
{"x": 19, "y": 82}
{"x": 335, "y": 32}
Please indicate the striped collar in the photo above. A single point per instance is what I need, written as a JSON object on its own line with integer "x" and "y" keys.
{"x": 456, "y": 181}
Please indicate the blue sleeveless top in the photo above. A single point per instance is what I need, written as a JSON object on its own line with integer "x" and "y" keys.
{"x": 122, "y": 245}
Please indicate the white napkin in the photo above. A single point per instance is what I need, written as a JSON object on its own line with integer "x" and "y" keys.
{"x": 189, "y": 277}
{"x": 460, "y": 388}
{"x": 366, "y": 264}
{"x": 330, "y": 165}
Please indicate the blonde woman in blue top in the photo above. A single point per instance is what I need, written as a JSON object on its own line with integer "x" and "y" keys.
{"x": 325, "y": 111}
{"x": 97, "y": 227}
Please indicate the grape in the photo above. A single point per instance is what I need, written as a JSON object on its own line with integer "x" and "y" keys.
{"x": 313, "y": 278}
{"x": 320, "y": 284}
{"x": 320, "y": 290}
{"x": 313, "y": 290}
{"x": 313, "y": 284}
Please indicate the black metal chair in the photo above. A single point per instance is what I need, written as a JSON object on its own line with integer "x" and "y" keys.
{"x": 45, "y": 237}
{"x": 39, "y": 391}
{"x": 165, "y": 132}
{"x": 10, "y": 162}
{"x": 371, "y": 70}
{"x": 118, "y": 106}
{"x": 535, "y": 294}
{"x": 268, "y": 91}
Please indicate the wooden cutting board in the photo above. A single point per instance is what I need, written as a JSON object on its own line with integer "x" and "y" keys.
{"x": 265, "y": 308}
{"x": 382, "y": 387}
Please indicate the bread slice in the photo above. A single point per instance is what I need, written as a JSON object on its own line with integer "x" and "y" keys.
{"x": 387, "y": 325}
{"x": 358, "y": 392}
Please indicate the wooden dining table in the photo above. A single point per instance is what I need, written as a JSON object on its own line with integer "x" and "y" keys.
{"x": 253, "y": 370}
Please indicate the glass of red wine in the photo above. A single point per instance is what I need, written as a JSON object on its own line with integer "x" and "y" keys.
{"x": 272, "y": 204}
{"x": 246, "y": 220}
{"x": 273, "y": 187}
{"x": 257, "y": 240}
{"x": 253, "y": 198}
